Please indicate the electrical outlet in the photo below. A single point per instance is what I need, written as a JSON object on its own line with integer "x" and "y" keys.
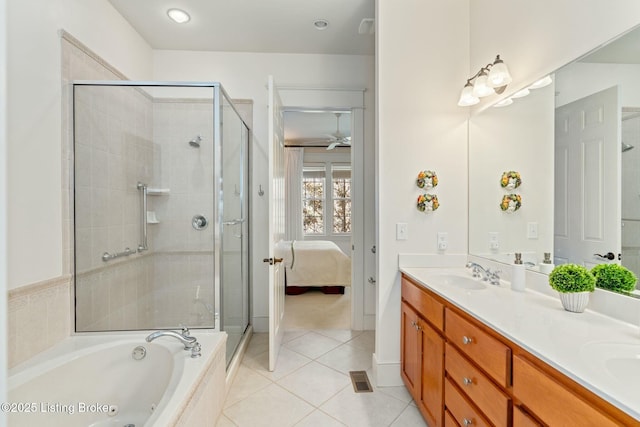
{"x": 494, "y": 240}
{"x": 532, "y": 230}
{"x": 402, "y": 231}
{"x": 443, "y": 240}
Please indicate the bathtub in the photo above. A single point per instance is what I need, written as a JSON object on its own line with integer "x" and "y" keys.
{"x": 97, "y": 380}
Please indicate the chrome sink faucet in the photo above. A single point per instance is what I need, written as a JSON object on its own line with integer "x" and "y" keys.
{"x": 486, "y": 274}
{"x": 189, "y": 342}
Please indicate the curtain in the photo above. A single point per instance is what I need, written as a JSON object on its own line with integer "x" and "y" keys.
{"x": 293, "y": 164}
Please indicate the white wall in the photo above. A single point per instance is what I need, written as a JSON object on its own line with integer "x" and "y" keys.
{"x": 244, "y": 76}
{"x": 536, "y": 38}
{"x": 34, "y": 119}
{"x": 3, "y": 213}
{"x": 422, "y": 62}
{"x": 517, "y": 137}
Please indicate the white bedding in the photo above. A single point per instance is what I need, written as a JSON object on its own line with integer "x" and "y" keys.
{"x": 317, "y": 263}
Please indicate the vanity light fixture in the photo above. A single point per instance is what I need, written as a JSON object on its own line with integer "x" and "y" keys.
{"x": 178, "y": 15}
{"x": 492, "y": 78}
{"x": 545, "y": 81}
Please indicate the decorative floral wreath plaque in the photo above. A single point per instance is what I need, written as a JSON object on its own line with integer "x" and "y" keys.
{"x": 511, "y": 203}
{"x": 510, "y": 180}
{"x": 428, "y": 202}
{"x": 427, "y": 179}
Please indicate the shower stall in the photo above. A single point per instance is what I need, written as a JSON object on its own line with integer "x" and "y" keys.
{"x": 160, "y": 208}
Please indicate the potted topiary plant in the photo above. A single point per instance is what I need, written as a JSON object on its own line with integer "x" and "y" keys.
{"x": 614, "y": 277}
{"x": 573, "y": 283}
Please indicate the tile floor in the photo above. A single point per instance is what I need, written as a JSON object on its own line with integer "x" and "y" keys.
{"x": 310, "y": 385}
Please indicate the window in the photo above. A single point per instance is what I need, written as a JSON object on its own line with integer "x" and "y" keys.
{"x": 313, "y": 186}
{"x": 326, "y": 208}
{"x": 341, "y": 183}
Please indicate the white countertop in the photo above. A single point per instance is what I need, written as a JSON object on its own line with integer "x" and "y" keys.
{"x": 573, "y": 343}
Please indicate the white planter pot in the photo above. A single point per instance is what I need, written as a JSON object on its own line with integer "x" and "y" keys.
{"x": 575, "y": 302}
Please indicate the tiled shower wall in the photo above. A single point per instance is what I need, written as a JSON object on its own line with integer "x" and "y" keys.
{"x": 183, "y": 286}
{"x": 113, "y": 152}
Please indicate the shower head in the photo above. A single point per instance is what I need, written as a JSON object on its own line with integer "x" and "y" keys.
{"x": 195, "y": 142}
{"x": 626, "y": 147}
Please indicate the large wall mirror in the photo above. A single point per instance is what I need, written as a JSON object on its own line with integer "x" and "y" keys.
{"x": 558, "y": 170}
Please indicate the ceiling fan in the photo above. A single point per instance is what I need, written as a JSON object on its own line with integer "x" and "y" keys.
{"x": 337, "y": 138}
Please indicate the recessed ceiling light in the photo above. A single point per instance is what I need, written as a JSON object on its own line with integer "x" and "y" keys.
{"x": 178, "y": 15}
{"x": 321, "y": 24}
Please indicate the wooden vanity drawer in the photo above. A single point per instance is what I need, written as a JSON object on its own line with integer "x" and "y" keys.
{"x": 461, "y": 409}
{"x": 552, "y": 402}
{"x": 424, "y": 303}
{"x": 521, "y": 419}
{"x": 449, "y": 421}
{"x": 487, "y": 352}
{"x": 477, "y": 386}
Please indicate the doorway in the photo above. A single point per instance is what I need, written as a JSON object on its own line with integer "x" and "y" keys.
{"x": 320, "y": 218}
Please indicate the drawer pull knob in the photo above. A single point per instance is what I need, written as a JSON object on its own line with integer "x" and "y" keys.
{"x": 467, "y": 340}
{"x": 467, "y": 422}
{"x": 467, "y": 381}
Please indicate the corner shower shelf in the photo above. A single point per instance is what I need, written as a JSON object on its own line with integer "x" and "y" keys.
{"x": 157, "y": 191}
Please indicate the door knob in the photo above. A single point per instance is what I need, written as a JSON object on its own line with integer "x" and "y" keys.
{"x": 609, "y": 255}
{"x": 272, "y": 261}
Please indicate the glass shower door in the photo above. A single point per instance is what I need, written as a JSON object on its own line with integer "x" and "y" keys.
{"x": 234, "y": 286}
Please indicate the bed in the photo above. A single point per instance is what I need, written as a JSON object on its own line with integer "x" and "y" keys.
{"x": 316, "y": 264}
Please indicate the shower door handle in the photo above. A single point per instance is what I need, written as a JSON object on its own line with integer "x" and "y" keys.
{"x": 272, "y": 261}
{"x": 234, "y": 221}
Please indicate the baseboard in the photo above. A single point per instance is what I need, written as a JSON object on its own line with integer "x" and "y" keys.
{"x": 386, "y": 374}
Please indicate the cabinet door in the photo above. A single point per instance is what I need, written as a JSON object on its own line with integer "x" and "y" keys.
{"x": 410, "y": 351}
{"x": 431, "y": 402}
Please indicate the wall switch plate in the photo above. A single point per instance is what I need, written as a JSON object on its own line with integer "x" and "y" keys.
{"x": 402, "y": 231}
{"x": 443, "y": 240}
{"x": 494, "y": 240}
{"x": 532, "y": 230}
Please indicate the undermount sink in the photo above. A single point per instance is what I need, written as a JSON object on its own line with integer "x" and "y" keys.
{"x": 620, "y": 360}
{"x": 459, "y": 281}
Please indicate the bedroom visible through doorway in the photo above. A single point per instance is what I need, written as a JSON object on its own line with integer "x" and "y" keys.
{"x": 319, "y": 220}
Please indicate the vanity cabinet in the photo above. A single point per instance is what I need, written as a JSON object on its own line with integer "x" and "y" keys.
{"x": 422, "y": 348}
{"x": 461, "y": 372}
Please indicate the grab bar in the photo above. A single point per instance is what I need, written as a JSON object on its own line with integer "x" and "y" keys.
{"x": 143, "y": 217}
{"x": 108, "y": 257}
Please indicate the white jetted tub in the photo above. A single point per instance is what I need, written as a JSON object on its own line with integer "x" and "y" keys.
{"x": 115, "y": 380}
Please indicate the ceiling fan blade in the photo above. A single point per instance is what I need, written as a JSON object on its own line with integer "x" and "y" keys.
{"x": 333, "y": 145}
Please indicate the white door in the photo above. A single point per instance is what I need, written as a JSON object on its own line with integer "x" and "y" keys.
{"x": 587, "y": 177}
{"x": 276, "y": 224}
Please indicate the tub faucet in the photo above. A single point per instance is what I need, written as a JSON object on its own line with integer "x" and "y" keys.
{"x": 189, "y": 342}
{"x": 492, "y": 276}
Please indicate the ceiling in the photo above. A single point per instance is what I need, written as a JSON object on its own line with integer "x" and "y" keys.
{"x": 272, "y": 26}
{"x": 314, "y": 128}
{"x": 623, "y": 50}
{"x": 267, "y": 26}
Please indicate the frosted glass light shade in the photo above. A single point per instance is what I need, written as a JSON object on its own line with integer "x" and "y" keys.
{"x": 521, "y": 93}
{"x": 480, "y": 86}
{"x": 545, "y": 81}
{"x": 467, "y": 97}
{"x": 505, "y": 102}
{"x": 499, "y": 74}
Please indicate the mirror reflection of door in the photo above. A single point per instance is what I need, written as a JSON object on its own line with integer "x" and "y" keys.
{"x": 631, "y": 189}
{"x": 587, "y": 169}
